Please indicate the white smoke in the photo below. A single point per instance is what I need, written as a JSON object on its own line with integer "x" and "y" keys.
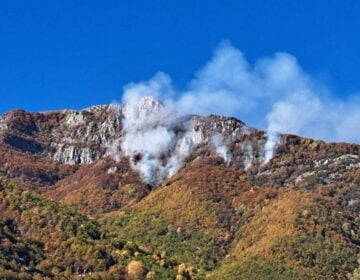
{"x": 155, "y": 137}
{"x": 295, "y": 114}
{"x": 270, "y": 145}
{"x": 247, "y": 151}
{"x": 274, "y": 94}
{"x": 221, "y": 149}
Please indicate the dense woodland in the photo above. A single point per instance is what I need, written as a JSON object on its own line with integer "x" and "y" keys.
{"x": 294, "y": 218}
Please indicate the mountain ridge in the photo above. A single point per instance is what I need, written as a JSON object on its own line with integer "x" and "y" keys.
{"x": 223, "y": 214}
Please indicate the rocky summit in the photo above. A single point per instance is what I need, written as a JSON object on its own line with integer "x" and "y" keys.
{"x": 141, "y": 191}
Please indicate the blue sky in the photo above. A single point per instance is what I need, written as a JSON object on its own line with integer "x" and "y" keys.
{"x": 73, "y": 54}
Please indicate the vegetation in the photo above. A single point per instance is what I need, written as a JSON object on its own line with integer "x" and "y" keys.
{"x": 257, "y": 269}
{"x": 40, "y": 239}
{"x": 295, "y": 218}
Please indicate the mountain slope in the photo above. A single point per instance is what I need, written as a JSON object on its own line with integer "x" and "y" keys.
{"x": 76, "y": 200}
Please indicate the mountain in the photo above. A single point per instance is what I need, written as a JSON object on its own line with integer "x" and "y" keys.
{"x": 139, "y": 191}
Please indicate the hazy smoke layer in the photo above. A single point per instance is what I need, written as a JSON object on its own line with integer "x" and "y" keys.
{"x": 274, "y": 94}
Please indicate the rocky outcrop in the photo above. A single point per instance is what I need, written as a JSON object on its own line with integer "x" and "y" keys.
{"x": 81, "y": 137}
{"x": 84, "y": 136}
{"x": 68, "y": 136}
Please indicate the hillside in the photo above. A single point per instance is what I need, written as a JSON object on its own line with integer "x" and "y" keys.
{"x": 82, "y": 199}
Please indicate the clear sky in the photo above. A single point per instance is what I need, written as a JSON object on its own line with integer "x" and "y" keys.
{"x": 73, "y": 54}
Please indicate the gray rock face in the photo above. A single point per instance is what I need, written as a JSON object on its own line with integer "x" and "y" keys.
{"x": 81, "y": 137}
{"x": 3, "y": 125}
{"x": 245, "y": 144}
{"x": 84, "y": 136}
{"x": 74, "y": 155}
{"x": 68, "y": 136}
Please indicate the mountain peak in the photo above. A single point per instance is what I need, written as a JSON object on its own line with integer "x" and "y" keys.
{"x": 140, "y": 108}
{"x": 199, "y": 179}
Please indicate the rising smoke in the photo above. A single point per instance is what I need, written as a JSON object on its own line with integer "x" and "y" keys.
{"x": 156, "y": 138}
{"x": 274, "y": 94}
{"x": 247, "y": 150}
{"x": 221, "y": 148}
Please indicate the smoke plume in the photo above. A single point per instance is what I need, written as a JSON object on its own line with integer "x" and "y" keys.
{"x": 247, "y": 150}
{"x": 156, "y": 138}
{"x": 221, "y": 149}
{"x": 274, "y": 94}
